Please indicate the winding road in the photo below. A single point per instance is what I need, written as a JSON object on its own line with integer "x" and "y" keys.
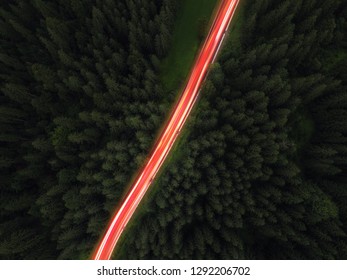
{"x": 170, "y": 132}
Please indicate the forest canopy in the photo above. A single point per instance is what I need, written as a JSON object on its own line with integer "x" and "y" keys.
{"x": 81, "y": 103}
{"x": 259, "y": 174}
{"x": 262, "y": 171}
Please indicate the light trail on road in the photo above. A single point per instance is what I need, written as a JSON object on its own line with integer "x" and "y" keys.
{"x": 170, "y": 132}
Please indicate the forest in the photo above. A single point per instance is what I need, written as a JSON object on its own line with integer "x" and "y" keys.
{"x": 260, "y": 172}
{"x": 80, "y": 105}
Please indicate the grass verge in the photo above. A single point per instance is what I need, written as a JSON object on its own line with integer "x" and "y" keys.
{"x": 191, "y": 23}
{"x": 190, "y": 27}
{"x": 302, "y": 130}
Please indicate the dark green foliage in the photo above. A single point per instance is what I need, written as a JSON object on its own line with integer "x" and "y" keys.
{"x": 80, "y": 106}
{"x": 261, "y": 175}
{"x": 245, "y": 185}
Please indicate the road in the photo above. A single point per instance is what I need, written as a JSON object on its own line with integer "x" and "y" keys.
{"x": 170, "y": 132}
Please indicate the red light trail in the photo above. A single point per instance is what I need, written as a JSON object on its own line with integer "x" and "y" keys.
{"x": 170, "y": 131}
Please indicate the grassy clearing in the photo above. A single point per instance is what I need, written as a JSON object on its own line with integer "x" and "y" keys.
{"x": 302, "y": 130}
{"x": 333, "y": 58}
{"x": 191, "y": 24}
{"x": 175, "y": 69}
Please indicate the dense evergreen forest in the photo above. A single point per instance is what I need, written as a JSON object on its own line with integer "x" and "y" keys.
{"x": 260, "y": 174}
{"x": 80, "y": 107}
